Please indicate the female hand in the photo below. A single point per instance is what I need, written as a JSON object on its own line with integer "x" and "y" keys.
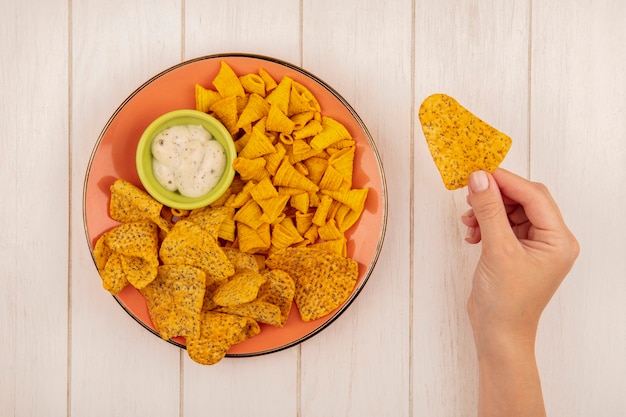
{"x": 527, "y": 250}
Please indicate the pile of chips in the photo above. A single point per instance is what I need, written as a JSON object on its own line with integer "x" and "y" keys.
{"x": 215, "y": 275}
{"x": 294, "y": 165}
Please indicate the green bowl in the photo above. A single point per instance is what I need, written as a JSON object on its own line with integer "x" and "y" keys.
{"x": 174, "y": 199}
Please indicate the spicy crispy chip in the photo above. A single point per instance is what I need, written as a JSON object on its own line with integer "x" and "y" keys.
{"x": 332, "y": 132}
{"x": 300, "y": 202}
{"x": 101, "y": 253}
{"x": 188, "y": 244}
{"x": 301, "y": 100}
{"x": 241, "y": 261}
{"x": 312, "y": 128}
{"x": 324, "y": 279}
{"x": 332, "y": 179}
{"x": 279, "y": 289}
{"x": 323, "y": 208}
{"x": 227, "y": 83}
{"x": 112, "y": 273}
{"x": 273, "y": 303}
{"x": 277, "y": 121}
{"x": 264, "y": 189}
{"x": 250, "y": 214}
{"x": 205, "y": 98}
{"x": 242, "y": 288}
{"x": 212, "y": 284}
{"x": 285, "y": 234}
{"x": 251, "y": 169}
{"x": 273, "y": 160}
{"x": 226, "y": 111}
{"x": 253, "y": 240}
{"x": 330, "y": 231}
{"x": 272, "y": 207}
{"x": 130, "y": 204}
{"x": 354, "y": 198}
{"x": 280, "y": 95}
{"x": 258, "y": 144}
{"x": 268, "y": 81}
{"x": 211, "y": 218}
{"x": 253, "y": 83}
{"x": 175, "y": 299}
{"x": 317, "y": 168}
{"x": 139, "y": 271}
{"x": 459, "y": 142}
{"x": 134, "y": 239}
{"x": 300, "y": 121}
{"x": 256, "y": 109}
{"x": 288, "y": 176}
{"x": 218, "y": 333}
{"x": 337, "y": 246}
{"x": 304, "y": 220}
{"x": 127, "y": 254}
{"x": 343, "y": 162}
{"x": 258, "y": 310}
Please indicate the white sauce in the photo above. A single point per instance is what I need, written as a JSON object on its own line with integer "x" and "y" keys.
{"x": 187, "y": 158}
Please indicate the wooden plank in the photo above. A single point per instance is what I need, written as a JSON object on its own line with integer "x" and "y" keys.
{"x": 577, "y": 149}
{"x": 267, "y": 385}
{"x": 34, "y": 223}
{"x": 358, "y": 366}
{"x": 260, "y": 386}
{"x": 476, "y": 52}
{"x": 269, "y": 28}
{"x": 117, "y": 367}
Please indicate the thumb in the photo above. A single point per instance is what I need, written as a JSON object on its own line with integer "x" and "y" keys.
{"x": 486, "y": 201}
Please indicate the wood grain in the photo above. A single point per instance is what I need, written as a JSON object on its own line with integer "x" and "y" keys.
{"x": 34, "y": 220}
{"x": 577, "y": 149}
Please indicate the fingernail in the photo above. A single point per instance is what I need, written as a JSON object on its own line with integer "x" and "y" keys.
{"x": 478, "y": 181}
{"x": 469, "y": 234}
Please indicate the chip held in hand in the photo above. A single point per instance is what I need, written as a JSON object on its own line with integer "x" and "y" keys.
{"x": 460, "y": 142}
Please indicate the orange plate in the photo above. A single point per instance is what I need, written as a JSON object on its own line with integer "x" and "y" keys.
{"x": 114, "y": 157}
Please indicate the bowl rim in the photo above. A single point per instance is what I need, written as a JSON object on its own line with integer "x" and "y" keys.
{"x": 143, "y": 158}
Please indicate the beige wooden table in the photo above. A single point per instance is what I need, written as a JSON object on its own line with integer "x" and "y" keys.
{"x": 552, "y": 74}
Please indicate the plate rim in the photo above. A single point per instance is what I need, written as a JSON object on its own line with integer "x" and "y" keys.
{"x": 384, "y": 196}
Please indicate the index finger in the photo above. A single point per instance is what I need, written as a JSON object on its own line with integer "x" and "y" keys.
{"x": 539, "y": 206}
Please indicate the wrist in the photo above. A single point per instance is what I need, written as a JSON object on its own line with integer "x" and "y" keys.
{"x": 509, "y": 383}
{"x": 505, "y": 346}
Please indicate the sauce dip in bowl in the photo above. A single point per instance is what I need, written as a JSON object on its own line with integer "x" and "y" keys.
{"x": 184, "y": 159}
